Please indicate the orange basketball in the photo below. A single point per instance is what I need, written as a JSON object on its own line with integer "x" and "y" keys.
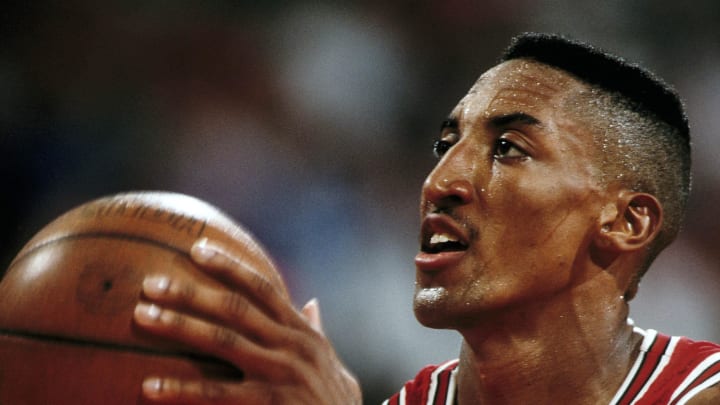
{"x": 67, "y": 299}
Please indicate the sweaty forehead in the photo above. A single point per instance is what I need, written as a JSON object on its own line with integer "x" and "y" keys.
{"x": 518, "y": 85}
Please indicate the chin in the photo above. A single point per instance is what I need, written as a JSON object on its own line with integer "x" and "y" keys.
{"x": 430, "y": 307}
{"x": 433, "y": 321}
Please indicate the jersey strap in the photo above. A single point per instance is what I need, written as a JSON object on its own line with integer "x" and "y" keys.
{"x": 433, "y": 385}
{"x": 669, "y": 370}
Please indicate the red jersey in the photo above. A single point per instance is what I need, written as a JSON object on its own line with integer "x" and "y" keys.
{"x": 433, "y": 385}
{"x": 668, "y": 370}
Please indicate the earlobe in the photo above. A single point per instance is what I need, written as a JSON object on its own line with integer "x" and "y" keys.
{"x": 631, "y": 224}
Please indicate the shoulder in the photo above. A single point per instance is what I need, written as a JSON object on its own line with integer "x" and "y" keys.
{"x": 695, "y": 366}
{"x": 674, "y": 369}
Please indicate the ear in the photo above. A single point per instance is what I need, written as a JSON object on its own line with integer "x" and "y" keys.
{"x": 631, "y": 224}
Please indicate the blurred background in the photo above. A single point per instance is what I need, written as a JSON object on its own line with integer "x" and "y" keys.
{"x": 312, "y": 124}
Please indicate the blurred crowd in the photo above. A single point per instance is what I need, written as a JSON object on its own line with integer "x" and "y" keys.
{"x": 312, "y": 123}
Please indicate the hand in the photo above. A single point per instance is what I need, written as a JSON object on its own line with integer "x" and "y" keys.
{"x": 250, "y": 323}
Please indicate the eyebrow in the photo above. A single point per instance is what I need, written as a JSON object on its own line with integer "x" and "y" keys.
{"x": 514, "y": 118}
{"x": 497, "y": 121}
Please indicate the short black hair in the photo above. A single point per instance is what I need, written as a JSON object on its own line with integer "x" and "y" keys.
{"x": 608, "y": 71}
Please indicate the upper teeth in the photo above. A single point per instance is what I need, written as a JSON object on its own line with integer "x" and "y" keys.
{"x": 442, "y": 238}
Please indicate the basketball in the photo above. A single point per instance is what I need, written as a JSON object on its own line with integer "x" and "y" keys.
{"x": 67, "y": 299}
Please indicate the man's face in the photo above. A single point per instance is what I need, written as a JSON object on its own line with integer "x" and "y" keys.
{"x": 509, "y": 209}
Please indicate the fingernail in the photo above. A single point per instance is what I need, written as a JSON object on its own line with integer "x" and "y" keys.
{"x": 201, "y": 250}
{"x": 311, "y": 305}
{"x": 157, "y": 285}
{"x": 147, "y": 313}
{"x": 152, "y": 386}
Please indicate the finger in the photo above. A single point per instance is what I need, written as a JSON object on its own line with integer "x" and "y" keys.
{"x": 174, "y": 391}
{"x": 243, "y": 275}
{"x": 229, "y": 308}
{"x": 211, "y": 339}
{"x": 311, "y": 311}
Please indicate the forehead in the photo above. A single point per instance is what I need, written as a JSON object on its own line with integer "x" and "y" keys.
{"x": 519, "y": 85}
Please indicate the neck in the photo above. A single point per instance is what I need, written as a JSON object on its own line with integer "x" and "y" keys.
{"x": 575, "y": 347}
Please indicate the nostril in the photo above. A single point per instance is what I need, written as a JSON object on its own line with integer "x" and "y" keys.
{"x": 448, "y": 202}
{"x": 456, "y": 199}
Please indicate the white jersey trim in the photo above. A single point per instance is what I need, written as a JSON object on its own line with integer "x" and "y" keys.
{"x": 664, "y": 360}
{"x": 434, "y": 380}
{"x": 648, "y": 339}
{"x": 701, "y": 368}
{"x": 452, "y": 387}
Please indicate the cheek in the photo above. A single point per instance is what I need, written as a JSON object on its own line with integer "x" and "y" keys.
{"x": 542, "y": 214}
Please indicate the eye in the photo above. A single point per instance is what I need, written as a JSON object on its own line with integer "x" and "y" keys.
{"x": 505, "y": 149}
{"x": 440, "y": 147}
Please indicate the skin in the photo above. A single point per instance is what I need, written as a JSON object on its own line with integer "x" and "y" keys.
{"x": 538, "y": 290}
{"x": 283, "y": 352}
{"x": 532, "y": 193}
{"x": 538, "y": 293}
{"x": 528, "y": 297}
{"x": 517, "y": 185}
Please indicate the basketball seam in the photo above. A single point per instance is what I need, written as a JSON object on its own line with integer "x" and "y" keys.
{"x": 100, "y": 235}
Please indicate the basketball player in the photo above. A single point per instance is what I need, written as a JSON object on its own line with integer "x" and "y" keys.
{"x": 561, "y": 175}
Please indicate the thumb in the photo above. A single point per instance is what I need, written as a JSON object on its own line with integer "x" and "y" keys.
{"x": 311, "y": 311}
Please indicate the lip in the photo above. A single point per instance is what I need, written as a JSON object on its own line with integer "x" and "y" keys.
{"x": 440, "y": 223}
{"x": 434, "y": 262}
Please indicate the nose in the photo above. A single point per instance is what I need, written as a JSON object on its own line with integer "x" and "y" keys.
{"x": 444, "y": 189}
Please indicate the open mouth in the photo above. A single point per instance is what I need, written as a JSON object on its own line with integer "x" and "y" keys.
{"x": 443, "y": 242}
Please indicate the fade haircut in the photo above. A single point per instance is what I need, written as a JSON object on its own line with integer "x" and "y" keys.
{"x": 639, "y": 123}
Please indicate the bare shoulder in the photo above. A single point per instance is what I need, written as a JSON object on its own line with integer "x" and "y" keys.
{"x": 709, "y": 396}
